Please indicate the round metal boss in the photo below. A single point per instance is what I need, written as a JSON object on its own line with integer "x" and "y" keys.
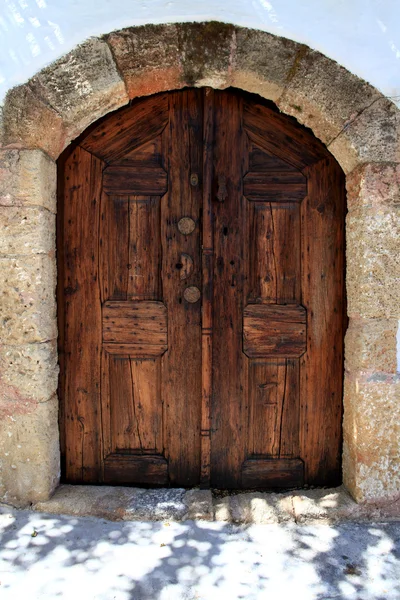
{"x": 192, "y": 294}
{"x": 186, "y": 225}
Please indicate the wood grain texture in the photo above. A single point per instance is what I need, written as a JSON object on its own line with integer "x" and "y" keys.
{"x": 274, "y": 272}
{"x": 230, "y": 390}
{"x": 127, "y": 129}
{"x": 274, "y": 408}
{"x": 207, "y": 290}
{"x": 321, "y": 374}
{"x": 276, "y": 187}
{"x": 281, "y": 136}
{"x": 144, "y": 470}
{"x": 144, "y": 258}
{"x": 135, "y": 323}
{"x": 136, "y": 413}
{"x": 181, "y": 365}
{"x": 82, "y": 318}
{"x": 274, "y": 330}
{"x": 279, "y": 473}
{"x": 121, "y": 180}
{"x": 201, "y": 288}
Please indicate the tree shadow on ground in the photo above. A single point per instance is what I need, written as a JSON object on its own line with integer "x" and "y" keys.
{"x": 48, "y": 556}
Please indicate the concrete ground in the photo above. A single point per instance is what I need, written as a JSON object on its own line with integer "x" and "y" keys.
{"x": 49, "y": 556}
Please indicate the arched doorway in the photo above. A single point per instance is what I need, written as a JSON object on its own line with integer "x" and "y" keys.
{"x": 201, "y": 297}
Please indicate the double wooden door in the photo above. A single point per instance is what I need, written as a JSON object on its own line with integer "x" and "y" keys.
{"x": 201, "y": 297}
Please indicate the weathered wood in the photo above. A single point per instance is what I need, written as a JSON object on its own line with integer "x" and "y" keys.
{"x": 282, "y": 136}
{"x": 82, "y": 330}
{"x": 279, "y": 473}
{"x": 261, "y": 161}
{"x": 181, "y": 365}
{"x": 127, "y": 129}
{"x": 273, "y": 271}
{"x": 227, "y": 217}
{"x": 144, "y": 470}
{"x": 274, "y": 330}
{"x": 207, "y": 290}
{"x": 274, "y": 408}
{"x": 135, "y": 410}
{"x": 321, "y": 373}
{"x": 123, "y": 180}
{"x": 135, "y": 350}
{"x": 275, "y": 187}
{"x": 144, "y": 259}
{"x": 230, "y": 377}
{"x": 114, "y": 247}
{"x": 135, "y": 323}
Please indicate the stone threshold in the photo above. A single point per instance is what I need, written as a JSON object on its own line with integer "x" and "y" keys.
{"x": 167, "y": 504}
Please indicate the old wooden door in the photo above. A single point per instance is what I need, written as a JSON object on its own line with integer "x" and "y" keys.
{"x": 201, "y": 297}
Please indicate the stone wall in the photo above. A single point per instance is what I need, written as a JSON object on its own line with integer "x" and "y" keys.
{"x": 358, "y": 125}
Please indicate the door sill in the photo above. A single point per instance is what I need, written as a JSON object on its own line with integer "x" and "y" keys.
{"x": 171, "y": 504}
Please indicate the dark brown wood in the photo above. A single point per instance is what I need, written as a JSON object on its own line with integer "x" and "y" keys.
{"x": 321, "y": 372}
{"x": 145, "y": 470}
{"x": 82, "y": 319}
{"x": 135, "y": 180}
{"x": 282, "y": 136}
{"x": 274, "y": 330}
{"x": 267, "y": 473}
{"x": 274, "y": 408}
{"x": 276, "y": 187}
{"x": 125, "y": 130}
{"x": 181, "y": 365}
{"x": 201, "y": 292}
{"x": 207, "y": 275}
{"x": 230, "y": 366}
{"x": 135, "y": 323}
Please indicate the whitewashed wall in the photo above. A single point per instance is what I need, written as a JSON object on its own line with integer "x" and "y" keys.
{"x": 362, "y": 35}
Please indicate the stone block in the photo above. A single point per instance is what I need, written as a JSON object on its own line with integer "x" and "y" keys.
{"x": 28, "y": 372}
{"x": 199, "y": 504}
{"x": 254, "y": 507}
{"x": 371, "y": 345}
{"x": 375, "y": 185}
{"x": 157, "y": 505}
{"x": 29, "y": 453}
{"x": 27, "y": 299}
{"x": 1, "y": 127}
{"x": 326, "y": 505}
{"x": 206, "y": 51}
{"x": 30, "y": 123}
{"x": 374, "y": 136}
{"x": 262, "y": 62}
{"x": 148, "y": 58}
{"x": 26, "y": 230}
{"x": 371, "y": 439}
{"x": 103, "y": 502}
{"x": 82, "y": 86}
{"x": 323, "y": 95}
{"x": 27, "y": 178}
{"x": 155, "y": 58}
{"x": 373, "y": 263}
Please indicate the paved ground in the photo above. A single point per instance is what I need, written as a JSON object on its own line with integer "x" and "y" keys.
{"x": 45, "y": 556}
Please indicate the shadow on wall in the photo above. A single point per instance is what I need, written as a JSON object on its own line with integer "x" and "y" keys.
{"x": 62, "y": 557}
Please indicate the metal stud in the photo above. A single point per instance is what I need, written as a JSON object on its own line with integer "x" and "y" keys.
{"x": 186, "y": 225}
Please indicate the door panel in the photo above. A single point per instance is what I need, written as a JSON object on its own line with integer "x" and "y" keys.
{"x": 201, "y": 297}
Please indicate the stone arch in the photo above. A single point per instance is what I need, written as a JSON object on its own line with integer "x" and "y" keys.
{"x": 359, "y": 126}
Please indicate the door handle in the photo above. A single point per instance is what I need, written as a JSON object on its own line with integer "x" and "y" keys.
{"x": 222, "y": 193}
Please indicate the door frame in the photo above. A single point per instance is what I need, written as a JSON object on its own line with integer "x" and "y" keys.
{"x": 34, "y": 134}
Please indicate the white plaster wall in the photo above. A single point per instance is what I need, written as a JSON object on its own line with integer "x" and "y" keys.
{"x": 362, "y": 35}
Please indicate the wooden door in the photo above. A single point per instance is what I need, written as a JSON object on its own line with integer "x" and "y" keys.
{"x": 201, "y": 298}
